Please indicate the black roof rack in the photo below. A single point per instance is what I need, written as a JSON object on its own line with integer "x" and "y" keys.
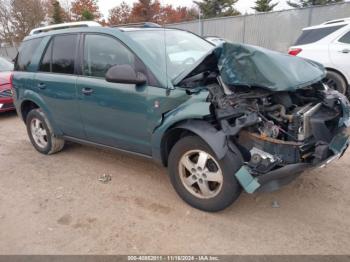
{"x": 334, "y": 22}
{"x": 140, "y": 25}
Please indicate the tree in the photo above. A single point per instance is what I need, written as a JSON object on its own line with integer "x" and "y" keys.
{"x": 140, "y": 12}
{"x": 57, "y": 11}
{"x": 145, "y": 11}
{"x": 307, "y": 3}
{"x": 87, "y": 15}
{"x": 217, "y": 8}
{"x": 85, "y": 10}
{"x": 264, "y": 5}
{"x": 169, "y": 15}
{"x": 25, "y": 16}
{"x": 19, "y": 17}
{"x": 120, "y": 14}
{"x": 6, "y": 32}
{"x": 67, "y": 8}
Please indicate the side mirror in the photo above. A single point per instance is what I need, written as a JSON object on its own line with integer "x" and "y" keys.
{"x": 125, "y": 74}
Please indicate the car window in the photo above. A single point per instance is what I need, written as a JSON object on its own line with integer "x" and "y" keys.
{"x": 63, "y": 53}
{"x": 25, "y": 54}
{"x": 314, "y": 35}
{"x": 45, "y": 65}
{"x": 345, "y": 38}
{"x": 102, "y": 52}
{"x": 172, "y": 50}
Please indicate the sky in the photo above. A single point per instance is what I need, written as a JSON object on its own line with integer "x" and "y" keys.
{"x": 242, "y": 5}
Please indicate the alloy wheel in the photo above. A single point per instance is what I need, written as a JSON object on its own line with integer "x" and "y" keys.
{"x": 200, "y": 174}
{"x": 39, "y": 133}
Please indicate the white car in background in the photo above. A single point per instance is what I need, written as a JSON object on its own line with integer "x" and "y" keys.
{"x": 328, "y": 44}
{"x": 215, "y": 40}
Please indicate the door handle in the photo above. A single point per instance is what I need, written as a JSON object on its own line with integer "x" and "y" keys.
{"x": 41, "y": 86}
{"x": 345, "y": 51}
{"x": 87, "y": 91}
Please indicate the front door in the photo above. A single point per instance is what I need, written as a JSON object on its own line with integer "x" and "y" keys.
{"x": 113, "y": 114}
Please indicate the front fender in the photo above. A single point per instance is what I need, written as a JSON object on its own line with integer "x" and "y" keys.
{"x": 193, "y": 110}
{"x": 215, "y": 139}
{"x": 29, "y": 95}
{"x": 190, "y": 117}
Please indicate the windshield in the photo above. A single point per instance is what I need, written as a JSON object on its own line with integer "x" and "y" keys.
{"x": 174, "y": 50}
{"x": 5, "y": 65}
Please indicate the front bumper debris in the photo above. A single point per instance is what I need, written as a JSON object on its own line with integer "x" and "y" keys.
{"x": 277, "y": 178}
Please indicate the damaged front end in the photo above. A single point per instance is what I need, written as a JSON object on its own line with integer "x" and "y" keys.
{"x": 292, "y": 131}
{"x": 282, "y": 120}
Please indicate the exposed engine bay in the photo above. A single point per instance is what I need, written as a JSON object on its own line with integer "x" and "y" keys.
{"x": 278, "y": 128}
{"x": 275, "y": 129}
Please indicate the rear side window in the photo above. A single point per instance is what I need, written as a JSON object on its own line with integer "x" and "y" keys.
{"x": 314, "y": 35}
{"x": 63, "y": 54}
{"x": 60, "y": 55}
{"x": 25, "y": 54}
{"x": 345, "y": 38}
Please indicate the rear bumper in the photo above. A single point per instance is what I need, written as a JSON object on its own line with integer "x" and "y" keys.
{"x": 277, "y": 178}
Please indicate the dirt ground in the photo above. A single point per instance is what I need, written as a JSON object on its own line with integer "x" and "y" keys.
{"x": 56, "y": 205}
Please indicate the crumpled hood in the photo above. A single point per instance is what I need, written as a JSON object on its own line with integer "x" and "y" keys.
{"x": 248, "y": 65}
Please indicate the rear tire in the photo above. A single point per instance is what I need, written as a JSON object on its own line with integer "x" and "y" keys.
{"x": 41, "y": 134}
{"x": 336, "y": 81}
{"x": 205, "y": 182}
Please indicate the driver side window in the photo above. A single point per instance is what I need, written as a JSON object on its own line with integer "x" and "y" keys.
{"x": 102, "y": 52}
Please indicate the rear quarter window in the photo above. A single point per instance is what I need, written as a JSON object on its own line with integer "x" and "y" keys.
{"x": 25, "y": 54}
{"x": 314, "y": 35}
{"x": 345, "y": 38}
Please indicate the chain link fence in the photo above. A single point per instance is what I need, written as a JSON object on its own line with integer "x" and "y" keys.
{"x": 274, "y": 30}
{"x": 8, "y": 51}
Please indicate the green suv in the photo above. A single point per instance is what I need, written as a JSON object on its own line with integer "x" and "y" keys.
{"x": 221, "y": 119}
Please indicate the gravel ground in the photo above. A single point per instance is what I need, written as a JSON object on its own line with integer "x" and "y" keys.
{"x": 56, "y": 205}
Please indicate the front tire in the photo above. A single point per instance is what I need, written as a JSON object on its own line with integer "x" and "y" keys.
{"x": 41, "y": 134}
{"x": 202, "y": 180}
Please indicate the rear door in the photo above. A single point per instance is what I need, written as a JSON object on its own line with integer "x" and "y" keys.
{"x": 340, "y": 53}
{"x": 56, "y": 80}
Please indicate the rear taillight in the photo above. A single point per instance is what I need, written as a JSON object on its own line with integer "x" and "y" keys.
{"x": 11, "y": 84}
{"x": 295, "y": 51}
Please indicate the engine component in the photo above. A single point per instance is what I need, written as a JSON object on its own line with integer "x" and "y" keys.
{"x": 269, "y": 129}
{"x": 287, "y": 151}
{"x": 262, "y": 161}
{"x": 280, "y": 109}
{"x": 306, "y": 131}
{"x": 258, "y": 155}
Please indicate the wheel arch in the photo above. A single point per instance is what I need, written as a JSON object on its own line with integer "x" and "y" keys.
{"x": 32, "y": 101}
{"x": 26, "y": 107}
{"x": 216, "y": 139}
{"x": 339, "y": 73}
